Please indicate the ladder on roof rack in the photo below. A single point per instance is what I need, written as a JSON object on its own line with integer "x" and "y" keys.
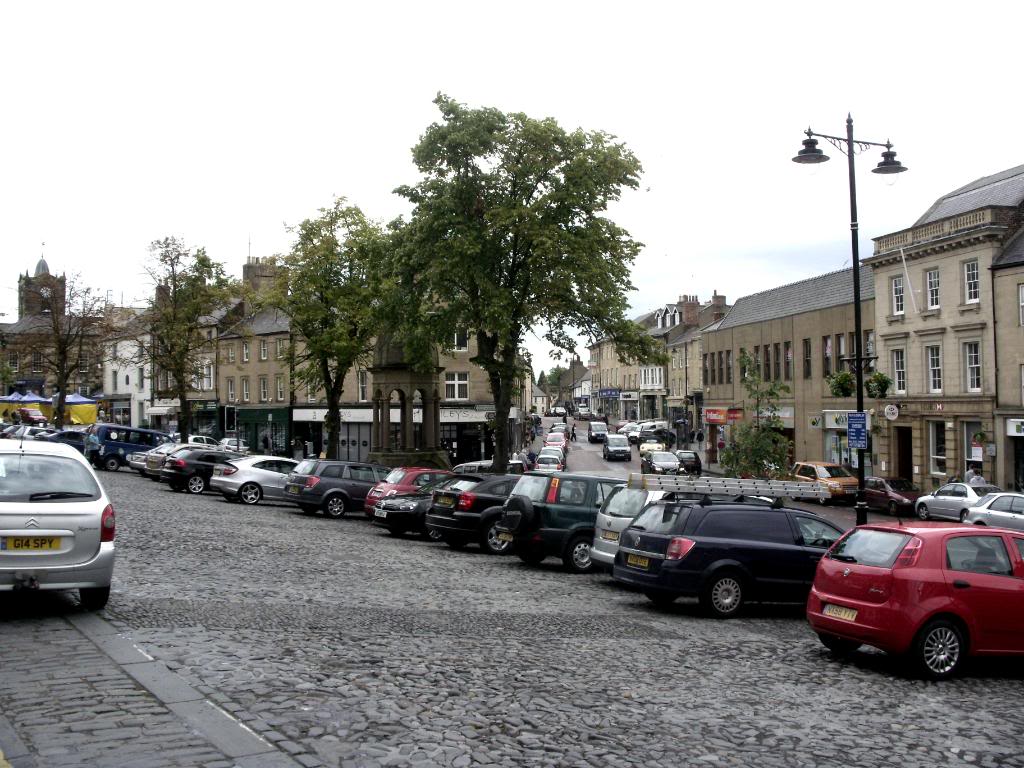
{"x": 731, "y": 486}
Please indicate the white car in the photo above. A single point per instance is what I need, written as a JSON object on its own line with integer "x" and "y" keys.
{"x": 234, "y": 444}
{"x": 56, "y": 523}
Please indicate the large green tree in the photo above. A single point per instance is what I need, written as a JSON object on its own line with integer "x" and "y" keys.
{"x": 757, "y": 448}
{"x": 509, "y": 233}
{"x": 327, "y": 287}
{"x": 192, "y": 298}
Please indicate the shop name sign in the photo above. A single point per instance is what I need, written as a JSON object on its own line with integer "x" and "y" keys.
{"x": 840, "y": 419}
{"x": 626, "y": 397}
{"x": 608, "y": 392}
{"x": 723, "y": 415}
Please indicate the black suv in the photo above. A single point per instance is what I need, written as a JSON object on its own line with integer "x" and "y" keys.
{"x": 470, "y": 510}
{"x": 190, "y": 469}
{"x": 724, "y": 553}
{"x": 336, "y": 487}
{"x": 664, "y": 436}
{"x": 689, "y": 463}
{"x": 554, "y": 516}
{"x": 403, "y": 512}
{"x": 597, "y": 431}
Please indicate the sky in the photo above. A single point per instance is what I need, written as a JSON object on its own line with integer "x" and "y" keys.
{"x": 223, "y": 123}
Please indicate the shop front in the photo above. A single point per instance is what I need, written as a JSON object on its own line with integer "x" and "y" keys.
{"x": 265, "y": 430}
{"x": 836, "y": 448}
{"x": 629, "y": 405}
{"x": 1014, "y": 456}
{"x": 162, "y": 414}
{"x": 608, "y": 403}
{"x": 717, "y": 421}
{"x": 205, "y": 418}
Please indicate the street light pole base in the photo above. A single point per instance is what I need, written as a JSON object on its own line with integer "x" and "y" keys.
{"x": 861, "y": 509}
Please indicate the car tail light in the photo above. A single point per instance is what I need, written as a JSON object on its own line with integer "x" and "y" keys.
{"x": 311, "y": 481}
{"x": 909, "y": 555}
{"x": 560, "y": 467}
{"x": 229, "y": 470}
{"x": 552, "y": 491}
{"x": 179, "y": 463}
{"x": 466, "y": 500}
{"x": 678, "y": 548}
{"x": 108, "y": 524}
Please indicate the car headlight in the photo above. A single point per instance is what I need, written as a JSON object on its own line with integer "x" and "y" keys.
{"x": 658, "y": 469}
{"x": 833, "y": 485}
{"x": 408, "y": 506}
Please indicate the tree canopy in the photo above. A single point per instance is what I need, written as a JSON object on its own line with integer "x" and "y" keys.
{"x": 509, "y": 233}
{"x": 757, "y": 448}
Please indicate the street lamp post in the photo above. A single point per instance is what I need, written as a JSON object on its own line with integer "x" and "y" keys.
{"x": 889, "y": 164}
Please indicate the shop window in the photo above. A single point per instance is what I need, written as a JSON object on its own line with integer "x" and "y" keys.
{"x": 937, "y": 447}
{"x": 972, "y": 284}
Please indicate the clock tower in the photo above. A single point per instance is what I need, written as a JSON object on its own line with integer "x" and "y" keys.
{"x": 40, "y": 293}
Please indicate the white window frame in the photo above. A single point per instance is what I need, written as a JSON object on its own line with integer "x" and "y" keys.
{"x": 37, "y": 361}
{"x": 899, "y": 371}
{"x": 207, "y": 376}
{"x": 279, "y": 348}
{"x": 456, "y": 385}
{"x": 310, "y": 395}
{"x": 972, "y": 366}
{"x": 972, "y": 287}
{"x": 13, "y": 361}
{"x": 264, "y": 389}
{"x": 933, "y": 374}
{"x": 1020, "y": 301}
{"x": 279, "y": 386}
{"x": 363, "y": 386}
{"x": 263, "y": 349}
{"x": 898, "y": 298}
{"x": 932, "y": 288}
{"x": 935, "y": 427}
{"x": 245, "y": 389}
{"x": 231, "y": 389}
{"x": 456, "y": 346}
{"x": 231, "y": 352}
{"x": 245, "y": 351}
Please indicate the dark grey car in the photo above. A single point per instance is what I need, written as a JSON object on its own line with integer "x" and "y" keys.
{"x": 1005, "y": 510}
{"x": 336, "y": 487}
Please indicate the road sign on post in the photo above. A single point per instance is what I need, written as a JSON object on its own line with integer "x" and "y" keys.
{"x": 857, "y": 430}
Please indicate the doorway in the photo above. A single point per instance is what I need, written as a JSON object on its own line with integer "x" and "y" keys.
{"x": 904, "y": 462}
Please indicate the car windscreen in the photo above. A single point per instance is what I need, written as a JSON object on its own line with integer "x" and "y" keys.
{"x": 547, "y": 458}
{"x": 395, "y": 476}
{"x": 625, "y": 502}
{"x": 835, "y": 471}
{"x": 34, "y": 477}
{"x": 870, "y": 547}
{"x": 307, "y": 467}
{"x": 462, "y": 484}
{"x": 662, "y": 518}
{"x": 899, "y": 484}
{"x": 982, "y": 490}
{"x": 598, "y": 426}
{"x": 686, "y": 455}
{"x": 617, "y": 440}
{"x": 658, "y": 457}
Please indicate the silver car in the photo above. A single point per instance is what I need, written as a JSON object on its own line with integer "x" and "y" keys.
{"x": 1003, "y": 509}
{"x": 619, "y": 508}
{"x": 952, "y": 501}
{"x": 252, "y": 478}
{"x": 56, "y": 523}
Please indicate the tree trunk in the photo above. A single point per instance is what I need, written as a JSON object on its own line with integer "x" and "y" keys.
{"x": 332, "y": 421}
{"x": 58, "y": 411}
{"x": 184, "y": 414}
{"x": 502, "y": 382}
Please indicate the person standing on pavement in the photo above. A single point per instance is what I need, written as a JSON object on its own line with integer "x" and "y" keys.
{"x": 572, "y": 434}
{"x": 978, "y": 479}
{"x": 970, "y": 474}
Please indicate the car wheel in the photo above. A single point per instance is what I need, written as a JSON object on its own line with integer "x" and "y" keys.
{"x": 963, "y": 515}
{"x": 111, "y": 464}
{"x": 250, "y": 493}
{"x": 922, "y": 512}
{"x": 839, "y": 646}
{"x": 577, "y": 555}
{"x": 661, "y": 599}
{"x": 93, "y": 598}
{"x": 195, "y": 484}
{"x": 334, "y": 507}
{"x": 939, "y": 649}
{"x": 491, "y": 544}
{"x": 722, "y": 596}
{"x": 433, "y": 535}
{"x": 894, "y": 510}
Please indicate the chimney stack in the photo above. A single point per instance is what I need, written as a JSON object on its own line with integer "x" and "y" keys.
{"x": 690, "y": 309}
{"x": 718, "y": 306}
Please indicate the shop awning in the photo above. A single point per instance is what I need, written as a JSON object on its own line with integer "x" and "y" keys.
{"x": 159, "y": 410}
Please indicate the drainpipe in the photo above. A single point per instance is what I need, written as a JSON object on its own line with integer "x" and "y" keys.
{"x": 999, "y": 460}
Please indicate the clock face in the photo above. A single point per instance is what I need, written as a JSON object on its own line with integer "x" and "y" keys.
{"x": 44, "y": 292}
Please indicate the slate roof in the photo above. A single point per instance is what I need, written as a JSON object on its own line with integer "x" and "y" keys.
{"x": 1012, "y": 254}
{"x": 1003, "y": 188}
{"x": 263, "y": 323}
{"x": 828, "y": 290}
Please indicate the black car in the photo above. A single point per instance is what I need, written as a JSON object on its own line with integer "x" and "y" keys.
{"x": 190, "y": 469}
{"x": 689, "y": 463}
{"x": 336, "y": 487}
{"x": 404, "y": 512}
{"x": 554, "y": 516}
{"x": 617, "y": 447}
{"x": 658, "y": 463}
{"x": 726, "y": 554}
{"x": 469, "y": 511}
{"x": 70, "y": 437}
{"x": 664, "y": 436}
{"x": 597, "y": 431}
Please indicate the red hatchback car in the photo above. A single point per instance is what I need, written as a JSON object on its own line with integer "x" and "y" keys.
{"x": 936, "y": 591}
{"x": 402, "y": 480}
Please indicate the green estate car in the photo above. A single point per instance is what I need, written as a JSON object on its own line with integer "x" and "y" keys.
{"x": 554, "y": 516}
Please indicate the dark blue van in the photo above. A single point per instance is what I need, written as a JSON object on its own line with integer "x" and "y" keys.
{"x": 108, "y": 446}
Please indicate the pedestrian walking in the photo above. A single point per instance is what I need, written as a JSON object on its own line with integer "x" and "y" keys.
{"x": 970, "y": 474}
{"x": 977, "y": 480}
{"x": 572, "y": 434}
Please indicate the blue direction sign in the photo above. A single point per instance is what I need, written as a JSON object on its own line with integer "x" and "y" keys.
{"x": 857, "y": 430}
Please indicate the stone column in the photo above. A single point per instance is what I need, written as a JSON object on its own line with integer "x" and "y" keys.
{"x": 383, "y": 424}
{"x": 408, "y": 434}
{"x": 436, "y": 418}
{"x": 429, "y": 436}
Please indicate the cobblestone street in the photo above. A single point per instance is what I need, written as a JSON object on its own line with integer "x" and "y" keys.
{"x": 339, "y": 645}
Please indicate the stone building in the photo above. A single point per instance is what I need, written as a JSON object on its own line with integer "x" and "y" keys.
{"x": 949, "y": 327}
{"x": 797, "y": 334}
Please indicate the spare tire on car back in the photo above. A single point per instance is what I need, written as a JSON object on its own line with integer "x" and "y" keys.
{"x": 518, "y": 513}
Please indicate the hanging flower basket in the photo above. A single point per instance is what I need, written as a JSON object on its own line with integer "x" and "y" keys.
{"x": 979, "y": 437}
{"x": 842, "y": 384}
{"x": 877, "y": 385}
